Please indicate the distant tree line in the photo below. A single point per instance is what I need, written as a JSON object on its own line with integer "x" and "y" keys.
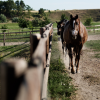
{"x": 11, "y": 8}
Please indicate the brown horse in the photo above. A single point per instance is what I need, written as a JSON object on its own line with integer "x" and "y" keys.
{"x": 75, "y": 35}
{"x": 60, "y": 29}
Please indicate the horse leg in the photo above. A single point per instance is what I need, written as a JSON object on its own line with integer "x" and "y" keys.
{"x": 77, "y": 66}
{"x": 64, "y": 48}
{"x": 78, "y": 58}
{"x": 71, "y": 59}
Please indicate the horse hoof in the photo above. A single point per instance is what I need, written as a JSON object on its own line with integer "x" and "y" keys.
{"x": 69, "y": 68}
{"x": 77, "y": 71}
{"x": 72, "y": 71}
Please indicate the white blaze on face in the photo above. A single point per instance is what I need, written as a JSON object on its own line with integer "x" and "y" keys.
{"x": 74, "y": 32}
{"x": 73, "y": 23}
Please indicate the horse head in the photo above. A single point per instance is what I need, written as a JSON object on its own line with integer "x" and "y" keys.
{"x": 60, "y": 25}
{"x": 74, "y": 26}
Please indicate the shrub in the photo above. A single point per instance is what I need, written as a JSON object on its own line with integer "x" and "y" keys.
{"x": 45, "y": 22}
{"x": 35, "y": 23}
{"x": 15, "y": 19}
{"x": 63, "y": 16}
{"x": 59, "y": 83}
{"x": 3, "y": 18}
{"x": 88, "y": 21}
{"x": 41, "y": 11}
{"x": 23, "y": 23}
{"x": 4, "y": 27}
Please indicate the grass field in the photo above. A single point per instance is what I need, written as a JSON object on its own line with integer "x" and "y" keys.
{"x": 13, "y": 27}
{"x": 21, "y": 51}
{"x": 95, "y": 46}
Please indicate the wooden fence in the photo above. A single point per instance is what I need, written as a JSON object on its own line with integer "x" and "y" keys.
{"x": 93, "y": 28}
{"x": 10, "y": 33}
{"x": 20, "y": 80}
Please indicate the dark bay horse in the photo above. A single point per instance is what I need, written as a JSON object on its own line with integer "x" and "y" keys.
{"x": 75, "y": 35}
{"x": 60, "y": 29}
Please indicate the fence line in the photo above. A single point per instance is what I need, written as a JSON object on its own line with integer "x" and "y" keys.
{"x": 28, "y": 81}
{"x": 94, "y": 28}
{"x": 7, "y": 34}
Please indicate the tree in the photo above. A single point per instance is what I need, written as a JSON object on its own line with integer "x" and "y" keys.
{"x": 41, "y": 11}
{"x": 23, "y": 23}
{"x": 88, "y": 21}
{"x": 9, "y": 6}
{"x": 15, "y": 19}
{"x": 4, "y": 27}
{"x": 18, "y": 6}
{"x": 1, "y": 6}
{"x": 35, "y": 23}
{"x": 63, "y": 16}
{"x": 27, "y": 7}
{"x": 22, "y": 5}
{"x": 3, "y": 18}
{"x": 45, "y": 22}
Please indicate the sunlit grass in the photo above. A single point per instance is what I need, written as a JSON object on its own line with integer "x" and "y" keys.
{"x": 95, "y": 46}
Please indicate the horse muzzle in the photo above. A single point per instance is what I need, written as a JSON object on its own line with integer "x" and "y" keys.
{"x": 74, "y": 34}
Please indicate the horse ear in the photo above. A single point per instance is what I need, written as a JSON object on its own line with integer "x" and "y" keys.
{"x": 76, "y": 16}
{"x": 70, "y": 16}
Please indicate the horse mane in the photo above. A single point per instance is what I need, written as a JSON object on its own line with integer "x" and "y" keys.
{"x": 62, "y": 21}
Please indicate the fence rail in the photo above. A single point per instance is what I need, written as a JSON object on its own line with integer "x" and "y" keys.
{"x": 94, "y": 28}
{"x": 4, "y": 38}
{"x": 28, "y": 81}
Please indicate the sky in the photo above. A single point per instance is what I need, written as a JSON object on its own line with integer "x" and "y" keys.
{"x": 62, "y": 4}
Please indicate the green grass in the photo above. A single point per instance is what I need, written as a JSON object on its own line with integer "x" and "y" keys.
{"x": 59, "y": 83}
{"x": 95, "y": 45}
{"x": 7, "y": 37}
{"x": 95, "y": 23}
{"x": 22, "y": 50}
{"x": 55, "y": 25}
{"x": 16, "y": 27}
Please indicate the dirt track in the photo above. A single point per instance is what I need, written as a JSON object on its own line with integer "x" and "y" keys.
{"x": 88, "y": 80}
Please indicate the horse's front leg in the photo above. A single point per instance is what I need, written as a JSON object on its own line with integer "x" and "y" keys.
{"x": 78, "y": 58}
{"x": 77, "y": 65}
{"x": 71, "y": 60}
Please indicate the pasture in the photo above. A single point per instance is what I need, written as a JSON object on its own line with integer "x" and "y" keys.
{"x": 17, "y": 42}
{"x": 89, "y": 65}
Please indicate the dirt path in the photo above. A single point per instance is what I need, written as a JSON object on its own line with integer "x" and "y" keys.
{"x": 88, "y": 80}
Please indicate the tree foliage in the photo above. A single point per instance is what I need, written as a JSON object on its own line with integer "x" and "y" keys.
{"x": 4, "y": 27}
{"x": 63, "y": 16}
{"x": 45, "y": 22}
{"x": 15, "y": 19}
{"x": 11, "y": 8}
{"x": 36, "y": 22}
{"x": 88, "y": 21}
{"x": 23, "y": 23}
{"x": 3, "y": 18}
{"x": 41, "y": 11}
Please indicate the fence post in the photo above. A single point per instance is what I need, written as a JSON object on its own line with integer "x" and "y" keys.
{"x": 4, "y": 39}
{"x": 8, "y": 32}
{"x": 34, "y": 40}
{"x": 94, "y": 28}
{"x": 41, "y": 32}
